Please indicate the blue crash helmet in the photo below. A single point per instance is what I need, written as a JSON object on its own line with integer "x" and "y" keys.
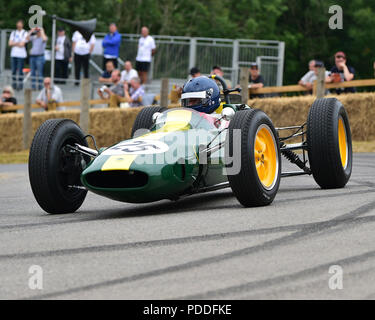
{"x": 201, "y": 94}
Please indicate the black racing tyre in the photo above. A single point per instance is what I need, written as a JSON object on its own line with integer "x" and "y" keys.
{"x": 144, "y": 118}
{"x": 53, "y": 170}
{"x": 329, "y": 143}
{"x": 253, "y": 158}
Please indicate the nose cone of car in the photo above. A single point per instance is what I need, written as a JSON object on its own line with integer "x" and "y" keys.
{"x": 137, "y": 179}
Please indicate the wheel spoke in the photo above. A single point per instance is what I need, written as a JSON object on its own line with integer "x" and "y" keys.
{"x": 261, "y": 171}
{"x": 260, "y": 145}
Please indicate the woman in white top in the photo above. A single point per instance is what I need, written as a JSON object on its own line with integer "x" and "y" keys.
{"x": 82, "y": 50}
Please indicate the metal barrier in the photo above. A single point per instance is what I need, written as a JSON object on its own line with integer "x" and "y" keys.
{"x": 176, "y": 55}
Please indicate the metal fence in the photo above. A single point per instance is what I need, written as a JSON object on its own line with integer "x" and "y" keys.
{"x": 176, "y": 55}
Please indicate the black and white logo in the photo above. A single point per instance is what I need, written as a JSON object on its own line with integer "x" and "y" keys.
{"x": 135, "y": 147}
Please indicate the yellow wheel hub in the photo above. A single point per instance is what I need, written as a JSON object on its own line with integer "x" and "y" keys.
{"x": 266, "y": 157}
{"x": 343, "y": 145}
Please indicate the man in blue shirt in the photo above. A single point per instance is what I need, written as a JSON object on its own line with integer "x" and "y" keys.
{"x": 111, "y": 44}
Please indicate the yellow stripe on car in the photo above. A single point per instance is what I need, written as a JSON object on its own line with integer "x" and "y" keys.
{"x": 120, "y": 162}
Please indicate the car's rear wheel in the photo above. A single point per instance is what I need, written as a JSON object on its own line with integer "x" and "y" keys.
{"x": 257, "y": 178}
{"x": 54, "y": 171}
{"x": 144, "y": 120}
{"x": 329, "y": 143}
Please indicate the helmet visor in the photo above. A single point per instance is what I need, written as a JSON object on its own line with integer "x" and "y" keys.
{"x": 194, "y": 99}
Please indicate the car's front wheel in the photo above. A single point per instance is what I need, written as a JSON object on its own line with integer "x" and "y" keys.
{"x": 253, "y": 153}
{"x": 54, "y": 169}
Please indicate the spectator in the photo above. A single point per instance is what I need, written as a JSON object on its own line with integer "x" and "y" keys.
{"x": 135, "y": 93}
{"x": 63, "y": 56}
{"x": 146, "y": 49}
{"x": 49, "y": 94}
{"x": 341, "y": 72}
{"x": 111, "y": 44}
{"x": 18, "y": 54}
{"x": 256, "y": 81}
{"x": 38, "y": 39}
{"x": 82, "y": 50}
{"x": 117, "y": 87}
{"x": 7, "y": 99}
{"x": 106, "y": 75}
{"x": 309, "y": 81}
{"x": 195, "y": 72}
{"x": 219, "y": 72}
{"x": 128, "y": 73}
{"x": 308, "y": 75}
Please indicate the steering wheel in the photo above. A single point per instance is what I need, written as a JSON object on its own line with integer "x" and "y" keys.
{"x": 226, "y": 91}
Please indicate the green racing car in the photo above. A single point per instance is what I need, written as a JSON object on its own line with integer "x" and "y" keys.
{"x": 208, "y": 144}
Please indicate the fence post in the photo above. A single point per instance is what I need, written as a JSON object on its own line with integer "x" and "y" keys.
{"x": 113, "y": 101}
{"x": 192, "y": 53}
{"x": 235, "y": 57}
{"x": 244, "y": 83}
{"x": 27, "y": 124}
{"x": 280, "y": 64}
{"x": 320, "y": 84}
{"x": 85, "y": 105}
{"x": 164, "y": 92}
{"x": 3, "y": 46}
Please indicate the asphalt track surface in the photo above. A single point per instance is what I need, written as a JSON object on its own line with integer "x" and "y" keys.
{"x": 202, "y": 247}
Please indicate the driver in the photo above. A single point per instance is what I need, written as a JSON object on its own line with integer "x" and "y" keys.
{"x": 201, "y": 94}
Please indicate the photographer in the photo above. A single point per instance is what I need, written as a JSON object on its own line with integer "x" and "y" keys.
{"x": 117, "y": 87}
{"x": 39, "y": 41}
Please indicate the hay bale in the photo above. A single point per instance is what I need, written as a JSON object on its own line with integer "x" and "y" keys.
{"x": 110, "y": 126}
{"x": 288, "y": 111}
{"x": 11, "y": 132}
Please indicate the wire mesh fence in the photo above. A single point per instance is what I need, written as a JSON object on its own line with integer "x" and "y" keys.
{"x": 176, "y": 55}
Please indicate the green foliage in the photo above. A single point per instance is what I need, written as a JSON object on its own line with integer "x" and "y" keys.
{"x": 302, "y": 24}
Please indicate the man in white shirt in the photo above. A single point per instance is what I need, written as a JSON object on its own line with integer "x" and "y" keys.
{"x": 306, "y": 79}
{"x": 146, "y": 49}
{"x": 128, "y": 73}
{"x": 63, "y": 56}
{"x": 82, "y": 50}
{"x": 18, "y": 54}
{"x": 49, "y": 94}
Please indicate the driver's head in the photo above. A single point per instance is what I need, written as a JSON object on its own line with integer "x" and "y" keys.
{"x": 201, "y": 94}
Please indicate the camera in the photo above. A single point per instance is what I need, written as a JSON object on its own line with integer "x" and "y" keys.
{"x": 102, "y": 89}
{"x": 35, "y": 32}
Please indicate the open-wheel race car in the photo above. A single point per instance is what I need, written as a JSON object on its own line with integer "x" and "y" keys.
{"x": 181, "y": 151}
